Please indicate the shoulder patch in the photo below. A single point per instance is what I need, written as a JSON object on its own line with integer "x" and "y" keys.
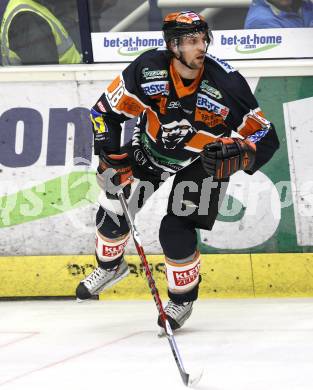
{"x": 153, "y": 65}
{"x": 223, "y": 64}
{"x": 150, "y": 74}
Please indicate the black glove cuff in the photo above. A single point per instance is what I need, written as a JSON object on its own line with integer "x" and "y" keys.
{"x": 105, "y": 157}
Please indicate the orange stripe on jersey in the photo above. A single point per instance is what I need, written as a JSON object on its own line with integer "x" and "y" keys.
{"x": 129, "y": 105}
{"x": 162, "y": 104}
{"x": 121, "y": 100}
{"x": 250, "y": 124}
{"x": 181, "y": 90}
{"x": 153, "y": 123}
{"x": 114, "y": 84}
{"x": 198, "y": 141}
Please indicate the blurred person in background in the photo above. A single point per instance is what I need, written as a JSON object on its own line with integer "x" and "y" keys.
{"x": 280, "y": 14}
{"x": 30, "y": 33}
{"x": 96, "y": 8}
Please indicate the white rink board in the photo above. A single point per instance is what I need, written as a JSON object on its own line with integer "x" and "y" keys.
{"x": 73, "y": 230}
{"x": 299, "y": 131}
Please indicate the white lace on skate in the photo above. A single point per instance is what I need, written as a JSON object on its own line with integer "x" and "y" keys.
{"x": 177, "y": 314}
{"x": 175, "y": 311}
{"x": 98, "y": 278}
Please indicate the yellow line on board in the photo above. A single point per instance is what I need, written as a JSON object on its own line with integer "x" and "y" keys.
{"x": 223, "y": 276}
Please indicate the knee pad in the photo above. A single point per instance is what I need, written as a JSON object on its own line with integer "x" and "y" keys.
{"x": 111, "y": 225}
{"x": 178, "y": 237}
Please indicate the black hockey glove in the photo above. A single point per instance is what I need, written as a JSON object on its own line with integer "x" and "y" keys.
{"x": 120, "y": 174}
{"x": 226, "y": 156}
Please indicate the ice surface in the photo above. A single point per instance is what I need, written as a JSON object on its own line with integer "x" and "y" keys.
{"x": 255, "y": 344}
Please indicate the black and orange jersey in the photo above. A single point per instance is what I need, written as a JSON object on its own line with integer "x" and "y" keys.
{"x": 178, "y": 117}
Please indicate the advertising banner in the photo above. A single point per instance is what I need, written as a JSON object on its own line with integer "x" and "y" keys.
{"x": 48, "y": 191}
{"x": 227, "y": 44}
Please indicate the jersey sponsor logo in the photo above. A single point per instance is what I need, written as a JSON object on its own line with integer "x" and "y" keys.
{"x": 182, "y": 278}
{"x": 97, "y": 121}
{"x": 113, "y": 251}
{"x": 140, "y": 157}
{"x": 154, "y": 74}
{"x": 130, "y": 106}
{"x": 173, "y": 105}
{"x": 203, "y": 101}
{"x": 256, "y": 137}
{"x": 172, "y": 134}
{"x": 101, "y": 106}
{"x": 205, "y": 87}
{"x": 100, "y": 136}
{"x": 209, "y": 118}
{"x": 156, "y": 88}
{"x": 228, "y": 68}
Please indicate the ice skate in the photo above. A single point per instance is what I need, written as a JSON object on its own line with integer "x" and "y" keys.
{"x": 100, "y": 279}
{"x": 177, "y": 314}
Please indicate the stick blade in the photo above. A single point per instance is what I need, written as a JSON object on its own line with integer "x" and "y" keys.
{"x": 161, "y": 332}
{"x": 185, "y": 378}
{"x": 193, "y": 381}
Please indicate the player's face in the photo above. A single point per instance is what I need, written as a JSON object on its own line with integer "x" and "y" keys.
{"x": 193, "y": 47}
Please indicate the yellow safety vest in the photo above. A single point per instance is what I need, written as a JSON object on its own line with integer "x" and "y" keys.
{"x": 67, "y": 51}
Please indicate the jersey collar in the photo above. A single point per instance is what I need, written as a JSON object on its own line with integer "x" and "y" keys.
{"x": 181, "y": 90}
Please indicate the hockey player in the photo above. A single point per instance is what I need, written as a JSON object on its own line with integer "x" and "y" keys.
{"x": 187, "y": 103}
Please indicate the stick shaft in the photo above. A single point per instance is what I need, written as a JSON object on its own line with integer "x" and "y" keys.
{"x": 153, "y": 288}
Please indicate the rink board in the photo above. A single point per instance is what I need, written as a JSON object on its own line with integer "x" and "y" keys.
{"x": 223, "y": 276}
{"x": 48, "y": 190}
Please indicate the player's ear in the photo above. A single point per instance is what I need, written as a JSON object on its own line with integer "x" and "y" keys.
{"x": 173, "y": 47}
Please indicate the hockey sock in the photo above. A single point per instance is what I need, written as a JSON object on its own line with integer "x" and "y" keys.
{"x": 109, "y": 253}
{"x": 183, "y": 277}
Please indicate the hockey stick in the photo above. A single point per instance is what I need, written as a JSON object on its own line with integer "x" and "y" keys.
{"x": 155, "y": 293}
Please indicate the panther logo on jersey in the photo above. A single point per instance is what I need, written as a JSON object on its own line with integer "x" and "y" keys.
{"x": 171, "y": 134}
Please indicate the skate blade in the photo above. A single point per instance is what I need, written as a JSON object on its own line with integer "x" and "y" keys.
{"x": 114, "y": 281}
{"x": 161, "y": 332}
